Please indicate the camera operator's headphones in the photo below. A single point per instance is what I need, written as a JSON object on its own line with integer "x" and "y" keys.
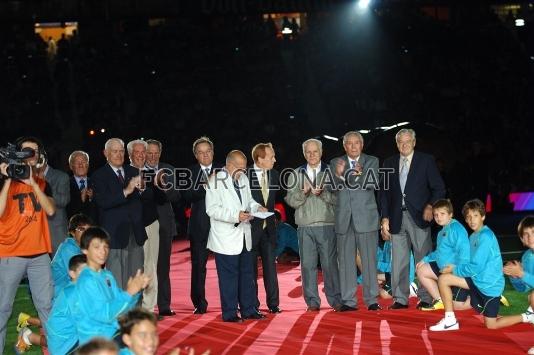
{"x": 41, "y": 153}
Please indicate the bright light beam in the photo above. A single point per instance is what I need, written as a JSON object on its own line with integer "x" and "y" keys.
{"x": 363, "y": 4}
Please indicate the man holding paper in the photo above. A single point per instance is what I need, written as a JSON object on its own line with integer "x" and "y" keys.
{"x": 230, "y": 205}
{"x": 264, "y": 182}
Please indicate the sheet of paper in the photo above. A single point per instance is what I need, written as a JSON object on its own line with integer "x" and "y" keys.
{"x": 262, "y": 215}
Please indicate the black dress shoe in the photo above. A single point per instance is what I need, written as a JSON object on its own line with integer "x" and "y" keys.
{"x": 234, "y": 319}
{"x": 167, "y": 313}
{"x": 374, "y": 307}
{"x": 199, "y": 311}
{"x": 423, "y": 304}
{"x": 345, "y": 308}
{"x": 255, "y": 315}
{"x": 398, "y": 305}
{"x": 275, "y": 310}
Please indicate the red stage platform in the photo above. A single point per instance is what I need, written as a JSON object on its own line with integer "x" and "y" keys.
{"x": 295, "y": 331}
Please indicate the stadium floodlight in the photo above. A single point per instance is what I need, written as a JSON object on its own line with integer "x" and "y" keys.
{"x": 287, "y": 31}
{"x": 519, "y": 22}
{"x": 364, "y": 131}
{"x": 330, "y": 137}
{"x": 363, "y": 4}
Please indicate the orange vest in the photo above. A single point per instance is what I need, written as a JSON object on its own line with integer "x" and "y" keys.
{"x": 24, "y": 224}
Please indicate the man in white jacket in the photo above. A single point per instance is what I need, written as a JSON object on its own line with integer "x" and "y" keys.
{"x": 230, "y": 205}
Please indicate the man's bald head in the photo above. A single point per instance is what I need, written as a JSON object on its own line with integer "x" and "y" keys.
{"x": 236, "y": 163}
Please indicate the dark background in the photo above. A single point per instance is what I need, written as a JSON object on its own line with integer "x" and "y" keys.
{"x": 459, "y": 71}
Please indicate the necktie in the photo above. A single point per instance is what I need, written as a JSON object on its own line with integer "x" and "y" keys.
{"x": 264, "y": 187}
{"x": 236, "y": 187}
{"x": 82, "y": 184}
{"x": 119, "y": 175}
{"x": 403, "y": 175}
{"x": 353, "y": 164}
{"x": 264, "y": 192}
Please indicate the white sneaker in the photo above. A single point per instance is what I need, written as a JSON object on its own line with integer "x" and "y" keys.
{"x": 413, "y": 289}
{"x": 443, "y": 326}
{"x": 529, "y": 315}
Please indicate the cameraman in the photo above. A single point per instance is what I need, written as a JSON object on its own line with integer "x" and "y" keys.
{"x": 25, "y": 238}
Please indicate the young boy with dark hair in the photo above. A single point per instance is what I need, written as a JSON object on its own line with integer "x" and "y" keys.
{"x": 98, "y": 346}
{"x": 482, "y": 275}
{"x": 139, "y": 332}
{"x": 452, "y": 249}
{"x": 62, "y": 335}
{"x": 67, "y": 249}
{"x": 101, "y": 301}
{"x": 56, "y": 338}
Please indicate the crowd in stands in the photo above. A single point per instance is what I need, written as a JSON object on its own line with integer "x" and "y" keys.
{"x": 233, "y": 79}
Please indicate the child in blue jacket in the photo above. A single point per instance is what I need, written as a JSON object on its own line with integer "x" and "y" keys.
{"x": 67, "y": 249}
{"x": 482, "y": 275}
{"x": 139, "y": 332}
{"x": 101, "y": 301}
{"x": 452, "y": 249}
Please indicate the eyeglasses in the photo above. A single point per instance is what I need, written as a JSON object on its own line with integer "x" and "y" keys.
{"x": 81, "y": 229}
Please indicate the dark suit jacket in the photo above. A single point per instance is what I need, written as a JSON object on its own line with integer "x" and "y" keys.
{"x": 167, "y": 222}
{"x": 199, "y": 222}
{"x": 255, "y": 188}
{"x": 117, "y": 214}
{"x": 76, "y": 205}
{"x": 424, "y": 185}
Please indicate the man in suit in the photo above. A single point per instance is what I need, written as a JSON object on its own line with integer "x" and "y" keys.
{"x": 150, "y": 198}
{"x": 406, "y": 199}
{"x": 264, "y": 182}
{"x": 167, "y": 223}
{"x": 230, "y": 205}
{"x": 199, "y": 222}
{"x": 314, "y": 215}
{"x": 357, "y": 222}
{"x": 120, "y": 213}
{"x": 59, "y": 182}
{"x": 81, "y": 188}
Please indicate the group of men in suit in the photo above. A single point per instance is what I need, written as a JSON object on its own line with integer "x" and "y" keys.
{"x": 347, "y": 212}
{"x": 123, "y": 199}
{"x": 213, "y": 226}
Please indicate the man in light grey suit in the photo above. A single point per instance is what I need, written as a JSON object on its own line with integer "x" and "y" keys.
{"x": 60, "y": 184}
{"x": 357, "y": 223}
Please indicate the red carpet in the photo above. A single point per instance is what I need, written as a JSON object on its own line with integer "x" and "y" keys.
{"x": 296, "y": 331}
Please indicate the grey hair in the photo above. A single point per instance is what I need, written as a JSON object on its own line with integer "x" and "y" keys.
{"x": 352, "y": 133}
{"x": 131, "y": 144}
{"x": 155, "y": 142}
{"x": 113, "y": 140}
{"x": 76, "y": 153}
{"x": 409, "y": 131}
{"x": 312, "y": 140}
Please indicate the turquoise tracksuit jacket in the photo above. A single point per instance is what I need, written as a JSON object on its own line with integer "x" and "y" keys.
{"x": 485, "y": 264}
{"x": 526, "y": 283}
{"x": 452, "y": 246}
{"x": 101, "y": 302}
{"x": 60, "y": 264}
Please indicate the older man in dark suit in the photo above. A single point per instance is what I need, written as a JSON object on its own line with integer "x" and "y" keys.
{"x": 406, "y": 199}
{"x": 81, "y": 187}
{"x": 120, "y": 212}
{"x": 264, "y": 184}
{"x": 199, "y": 222}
